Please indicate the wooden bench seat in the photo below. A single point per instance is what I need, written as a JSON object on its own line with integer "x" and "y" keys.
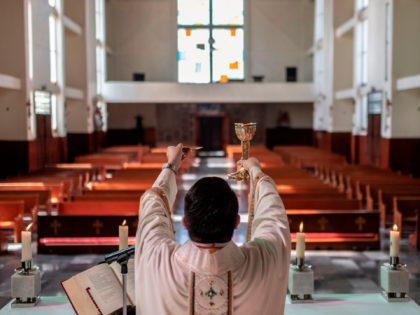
{"x": 107, "y": 197}
{"x": 99, "y": 208}
{"x": 94, "y": 172}
{"x": 45, "y": 194}
{"x": 358, "y": 186}
{"x": 94, "y": 233}
{"x": 315, "y": 195}
{"x": 109, "y": 161}
{"x": 290, "y": 189}
{"x": 11, "y": 217}
{"x": 360, "y": 231}
{"x": 61, "y": 188}
{"x": 30, "y": 201}
{"x": 136, "y": 150}
{"x": 384, "y": 200}
{"x": 110, "y": 192}
{"x": 407, "y": 210}
{"x": 123, "y": 185}
{"x": 322, "y": 204}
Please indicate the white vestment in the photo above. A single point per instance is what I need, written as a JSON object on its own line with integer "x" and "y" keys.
{"x": 259, "y": 268}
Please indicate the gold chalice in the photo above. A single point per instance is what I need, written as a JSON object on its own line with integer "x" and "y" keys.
{"x": 245, "y": 132}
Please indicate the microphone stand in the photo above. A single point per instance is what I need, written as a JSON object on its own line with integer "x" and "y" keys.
{"x": 123, "y": 261}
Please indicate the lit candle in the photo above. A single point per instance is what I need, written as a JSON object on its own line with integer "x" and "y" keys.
{"x": 26, "y": 244}
{"x": 394, "y": 248}
{"x": 300, "y": 242}
{"x": 123, "y": 235}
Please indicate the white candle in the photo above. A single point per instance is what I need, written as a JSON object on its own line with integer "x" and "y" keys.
{"x": 26, "y": 244}
{"x": 394, "y": 248}
{"x": 300, "y": 242}
{"x": 123, "y": 235}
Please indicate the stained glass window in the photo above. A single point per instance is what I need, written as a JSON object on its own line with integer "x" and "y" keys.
{"x": 228, "y": 54}
{"x": 193, "y": 12}
{"x": 228, "y": 12}
{"x": 210, "y": 41}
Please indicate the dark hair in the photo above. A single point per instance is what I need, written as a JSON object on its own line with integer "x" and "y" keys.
{"x": 211, "y": 209}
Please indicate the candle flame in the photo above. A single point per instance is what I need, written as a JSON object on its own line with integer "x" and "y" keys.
{"x": 29, "y": 227}
{"x": 124, "y": 222}
{"x": 395, "y": 227}
{"x": 301, "y": 227}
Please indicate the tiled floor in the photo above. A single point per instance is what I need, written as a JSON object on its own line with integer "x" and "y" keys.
{"x": 335, "y": 271}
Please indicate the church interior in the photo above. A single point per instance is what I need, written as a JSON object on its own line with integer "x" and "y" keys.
{"x": 92, "y": 92}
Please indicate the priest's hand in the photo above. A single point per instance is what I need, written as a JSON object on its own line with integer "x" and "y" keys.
{"x": 175, "y": 155}
{"x": 249, "y": 164}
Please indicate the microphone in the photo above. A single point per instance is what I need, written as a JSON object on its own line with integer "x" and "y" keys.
{"x": 117, "y": 255}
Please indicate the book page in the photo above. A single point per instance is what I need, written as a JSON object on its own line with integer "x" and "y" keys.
{"x": 79, "y": 299}
{"x": 130, "y": 279}
{"x": 103, "y": 286}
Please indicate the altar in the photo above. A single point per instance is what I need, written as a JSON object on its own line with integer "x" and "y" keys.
{"x": 325, "y": 304}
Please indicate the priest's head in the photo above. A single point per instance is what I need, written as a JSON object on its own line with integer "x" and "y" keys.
{"x": 211, "y": 211}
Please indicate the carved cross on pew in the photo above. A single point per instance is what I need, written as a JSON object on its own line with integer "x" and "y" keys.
{"x": 55, "y": 225}
{"x": 322, "y": 223}
{"x": 98, "y": 225}
{"x": 360, "y": 221}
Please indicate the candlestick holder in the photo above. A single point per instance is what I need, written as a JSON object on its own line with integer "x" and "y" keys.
{"x": 26, "y": 285}
{"x": 394, "y": 281}
{"x": 301, "y": 282}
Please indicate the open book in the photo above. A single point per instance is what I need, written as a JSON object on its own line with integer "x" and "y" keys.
{"x": 98, "y": 290}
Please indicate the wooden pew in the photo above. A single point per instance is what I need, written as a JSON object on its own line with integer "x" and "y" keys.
{"x": 56, "y": 189}
{"x": 94, "y": 172}
{"x": 360, "y": 231}
{"x": 97, "y": 227}
{"x": 407, "y": 210}
{"x": 109, "y": 161}
{"x": 107, "y": 197}
{"x": 30, "y": 202}
{"x": 11, "y": 217}
{"x": 121, "y": 185}
{"x": 112, "y": 192}
{"x": 43, "y": 194}
{"x": 99, "y": 208}
{"x": 322, "y": 204}
{"x": 307, "y": 157}
{"x": 385, "y": 201}
{"x": 61, "y": 188}
{"x": 136, "y": 150}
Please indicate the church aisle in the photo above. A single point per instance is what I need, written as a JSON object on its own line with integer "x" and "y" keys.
{"x": 335, "y": 271}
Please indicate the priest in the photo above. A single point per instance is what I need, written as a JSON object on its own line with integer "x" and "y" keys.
{"x": 210, "y": 274}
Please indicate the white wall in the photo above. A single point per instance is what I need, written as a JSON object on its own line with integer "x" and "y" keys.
{"x": 13, "y": 109}
{"x": 405, "y": 119}
{"x": 406, "y": 39}
{"x": 142, "y": 37}
{"x": 280, "y": 33}
{"x": 41, "y": 46}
